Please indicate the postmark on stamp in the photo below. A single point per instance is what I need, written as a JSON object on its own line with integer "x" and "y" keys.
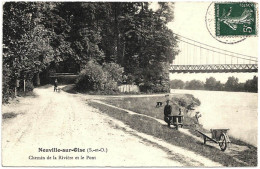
{"x": 232, "y": 22}
{"x": 235, "y": 19}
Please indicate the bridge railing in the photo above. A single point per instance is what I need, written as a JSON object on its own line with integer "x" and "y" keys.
{"x": 214, "y": 68}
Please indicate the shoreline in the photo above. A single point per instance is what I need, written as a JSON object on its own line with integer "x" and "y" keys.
{"x": 227, "y": 110}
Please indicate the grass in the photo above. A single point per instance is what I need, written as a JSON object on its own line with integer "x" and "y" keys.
{"x": 152, "y": 127}
{"x": 146, "y": 105}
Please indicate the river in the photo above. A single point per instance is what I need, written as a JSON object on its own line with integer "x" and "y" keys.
{"x": 234, "y": 110}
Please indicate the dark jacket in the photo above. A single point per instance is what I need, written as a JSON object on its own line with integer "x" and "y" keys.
{"x": 167, "y": 110}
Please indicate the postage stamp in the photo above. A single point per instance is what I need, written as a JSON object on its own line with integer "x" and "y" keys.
{"x": 235, "y": 19}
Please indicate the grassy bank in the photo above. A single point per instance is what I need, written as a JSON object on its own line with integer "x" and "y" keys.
{"x": 146, "y": 105}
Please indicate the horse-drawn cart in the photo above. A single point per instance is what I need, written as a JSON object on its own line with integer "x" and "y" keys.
{"x": 218, "y": 136}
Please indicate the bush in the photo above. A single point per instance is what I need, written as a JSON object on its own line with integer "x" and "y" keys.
{"x": 114, "y": 71}
{"x": 91, "y": 78}
{"x": 186, "y": 100}
{"x": 149, "y": 87}
{"x": 96, "y": 78}
{"x": 8, "y": 84}
{"x": 129, "y": 79}
{"x": 111, "y": 87}
{"x": 158, "y": 88}
{"x": 29, "y": 86}
{"x": 146, "y": 87}
{"x": 7, "y": 92}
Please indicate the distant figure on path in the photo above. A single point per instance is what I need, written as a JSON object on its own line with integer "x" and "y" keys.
{"x": 55, "y": 85}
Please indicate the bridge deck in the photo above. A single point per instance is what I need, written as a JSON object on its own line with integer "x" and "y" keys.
{"x": 214, "y": 68}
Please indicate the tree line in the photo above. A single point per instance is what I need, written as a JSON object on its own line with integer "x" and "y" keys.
{"x": 129, "y": 34}
{"x": 232, "y": 84}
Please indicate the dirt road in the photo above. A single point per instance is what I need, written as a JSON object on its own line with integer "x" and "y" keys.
{"x": 65, "y": 121}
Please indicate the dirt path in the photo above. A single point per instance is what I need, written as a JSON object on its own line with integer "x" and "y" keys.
{"x": 65, "y": 121}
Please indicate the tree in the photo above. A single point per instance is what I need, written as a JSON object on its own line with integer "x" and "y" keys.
{"x": 241, "y": 87}
{"x": 84, "y": 33}
{"x": 232, "y": 84}
{"x": 210, "y": 83}
{"x": 219, "y": 86}
{"x": 252, "y": 85}
{"x": 25, "y": 40}
{"x": 39, "y": 35}
{"x": 176, "y": 84}
{"x": 194, "y": 85}
{"x": 127, "y": 33}
{"x": 150, "y": 46}
{"x": 31, "y": 41}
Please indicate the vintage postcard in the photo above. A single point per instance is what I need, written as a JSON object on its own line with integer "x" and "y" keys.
{"x": 129, "y": 84}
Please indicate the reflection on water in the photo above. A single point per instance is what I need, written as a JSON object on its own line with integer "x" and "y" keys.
{"x": 234, "y": 110}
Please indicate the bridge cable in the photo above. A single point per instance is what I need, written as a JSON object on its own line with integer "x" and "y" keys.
{"x": 225, "y": 58}
{"x": 200, "y": 55}
{"x": 194, "y": 52}
{"x": 219, "y": 52}
{"x": 214, "y": 47}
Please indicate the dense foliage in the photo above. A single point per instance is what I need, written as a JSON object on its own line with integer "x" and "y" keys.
{"x": 29, "y": 43}
{"x": 130, "y": 34}
{"x": 211, "y": 83}
{"x": 95, "y": 77}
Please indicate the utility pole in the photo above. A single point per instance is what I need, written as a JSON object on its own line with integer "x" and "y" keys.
{"x": 24, "y": 85}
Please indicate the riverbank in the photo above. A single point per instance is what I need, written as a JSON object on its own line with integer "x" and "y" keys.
{"x": 237, "y": 111}
{"x": 240, "y": 153}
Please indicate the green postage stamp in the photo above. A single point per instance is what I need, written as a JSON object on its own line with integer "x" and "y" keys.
{"x": 235, "y": 18}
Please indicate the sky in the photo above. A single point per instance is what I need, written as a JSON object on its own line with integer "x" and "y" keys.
{"x": 189, "y": 21}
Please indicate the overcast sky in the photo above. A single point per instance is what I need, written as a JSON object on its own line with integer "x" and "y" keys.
{"x": 189, "y": 21}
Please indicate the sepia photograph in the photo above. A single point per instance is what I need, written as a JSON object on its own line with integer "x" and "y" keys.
{"x": 129, "y": 84}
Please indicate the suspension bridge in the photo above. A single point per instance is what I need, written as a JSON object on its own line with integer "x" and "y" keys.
{"x": 202, "y": 58}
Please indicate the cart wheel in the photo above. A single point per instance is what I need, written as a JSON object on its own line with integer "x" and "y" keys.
{"x": 223, "y": 142}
